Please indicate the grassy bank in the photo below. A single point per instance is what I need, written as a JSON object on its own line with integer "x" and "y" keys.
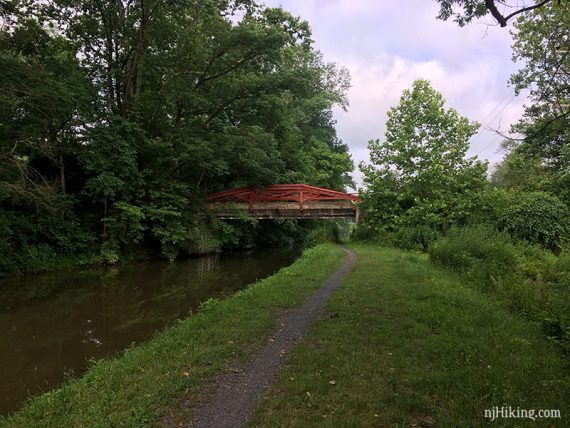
{"x": 408, "y": 343}
{"x": 147, "y": 381}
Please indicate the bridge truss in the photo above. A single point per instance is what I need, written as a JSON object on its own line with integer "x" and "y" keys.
{"x": 284, "y": 201}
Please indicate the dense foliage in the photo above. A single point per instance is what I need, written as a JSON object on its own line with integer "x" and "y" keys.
{"x": 534, "y": 217}
{"x": 509, "y": 235}
{"x": 541, "y": 43}
{"x": 419, "y": 174}
{"x": 117, "y": 118}
{"x": 531, "y": 280}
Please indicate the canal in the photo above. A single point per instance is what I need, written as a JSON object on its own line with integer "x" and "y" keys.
{"x": 53, "y": 325}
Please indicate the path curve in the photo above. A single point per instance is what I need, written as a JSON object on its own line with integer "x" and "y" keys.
{"x": 236, "y": 394}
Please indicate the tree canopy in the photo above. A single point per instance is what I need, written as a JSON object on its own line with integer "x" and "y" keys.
{"x": 539, "y": 156}
{"x": 117, "y": 118}
{"x": 419, "y": 173}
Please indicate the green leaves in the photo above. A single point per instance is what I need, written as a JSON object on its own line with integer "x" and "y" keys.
{"x": 110, "y": 159}
{"x": 419, "y": 173}
{"x": 535, "y": 217}
{"x": 134, "y": 111}
{"x": 540, "y": 43}
{"x": 471, "y": 9}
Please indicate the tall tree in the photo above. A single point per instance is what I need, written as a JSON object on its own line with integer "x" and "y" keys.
{"x": 130, "y": 111}
{"x": 419, "y": 174}
{"x": 43, "y": 93}
{"x": 541, "y": 43}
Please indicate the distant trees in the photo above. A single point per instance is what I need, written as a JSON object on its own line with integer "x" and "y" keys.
{"x": 419, "y": 175}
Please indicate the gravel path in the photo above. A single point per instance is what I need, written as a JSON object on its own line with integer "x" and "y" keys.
{"x": 236, "y": 394}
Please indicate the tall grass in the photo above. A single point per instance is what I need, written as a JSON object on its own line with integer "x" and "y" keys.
{"x": 530, "y": 279}
{"x": 479, "y": 252}
{"x": 326, "y": 232}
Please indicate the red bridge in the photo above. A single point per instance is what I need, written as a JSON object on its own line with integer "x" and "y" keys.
{"x": 284, "y": 201}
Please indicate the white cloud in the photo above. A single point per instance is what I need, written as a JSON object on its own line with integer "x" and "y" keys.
{"x": 387, "y": 45}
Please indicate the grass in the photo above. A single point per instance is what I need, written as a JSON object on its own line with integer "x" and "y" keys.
{"x": 530, "y": 280}
{"x": 147, "y": 381}
{"x": 407, "y": 343}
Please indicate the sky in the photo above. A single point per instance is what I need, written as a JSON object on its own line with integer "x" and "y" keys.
{"x": 387, "y": 44}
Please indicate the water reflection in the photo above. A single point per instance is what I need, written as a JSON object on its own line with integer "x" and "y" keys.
{"x": 52, "y": 325}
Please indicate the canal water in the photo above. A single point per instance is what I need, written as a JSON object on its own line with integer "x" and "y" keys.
{"x": 52, "y": 325}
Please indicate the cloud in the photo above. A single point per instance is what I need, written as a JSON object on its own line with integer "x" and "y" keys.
{"x": 387, "y": 45}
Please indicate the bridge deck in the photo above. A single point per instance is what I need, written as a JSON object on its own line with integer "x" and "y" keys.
{"x": 295, "y": 201}
{"x": 272, "y": 210}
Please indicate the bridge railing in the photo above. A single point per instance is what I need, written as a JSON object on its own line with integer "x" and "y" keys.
{"x": 281, "y": 192}
{"x": 287, "y": 201}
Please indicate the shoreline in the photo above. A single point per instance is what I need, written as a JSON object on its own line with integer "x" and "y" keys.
{"x": 144, "y": 381}
{"x": 401, "y": 342}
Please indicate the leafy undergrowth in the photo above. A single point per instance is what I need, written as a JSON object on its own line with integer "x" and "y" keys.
{"x": 532, "y": 281}
{"x": 146, "y": 382}
{"x": 406, "y": 343}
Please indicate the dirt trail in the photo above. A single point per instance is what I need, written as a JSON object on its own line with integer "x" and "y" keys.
{"x": 236, "y": 394}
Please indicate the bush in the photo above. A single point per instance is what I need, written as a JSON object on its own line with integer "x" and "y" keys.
{"x": 366, "y": 232}
{"x": 479, "y": 251}
{"x": 562, "y": 269}
{"x": 327, "y": 232}
{"x": 536, "y": 263}
{"x": 414, "y": 237}
{"x": 533, "y": 281}
{"x": 535, "y": 217}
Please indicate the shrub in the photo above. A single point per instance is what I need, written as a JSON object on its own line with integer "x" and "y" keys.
{"x": 480, "y": 251}
{"x": 366, "y": 232}
{"x": 535, "y": 217}
{"x": 561, "y": 269}
{"x": 536, "y": 263}
{"x": 532, "y": 281}
{"x": 414, "y": 237}
{"x": 327, "y": 232}
{"x": 40, "y": 257}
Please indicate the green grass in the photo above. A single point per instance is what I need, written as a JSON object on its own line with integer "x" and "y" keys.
{"x": 144, "y": 383}
{"x": 412, "y": 345}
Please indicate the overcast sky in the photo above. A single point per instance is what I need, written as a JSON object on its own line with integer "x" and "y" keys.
{"x": 388, "y": 44}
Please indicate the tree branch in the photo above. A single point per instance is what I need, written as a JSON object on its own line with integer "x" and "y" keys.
{"x": 491, "y": 7}
{"x": 502, "y": 20}
{"x": 526, "y": 9}
{"x": 540, "y": 131}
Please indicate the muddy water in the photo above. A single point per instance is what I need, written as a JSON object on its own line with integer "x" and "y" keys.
{"x": 52, "y": 325}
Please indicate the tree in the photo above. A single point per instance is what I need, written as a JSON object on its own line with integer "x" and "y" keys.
{"x": 521, "y": 173}
{"x": 43, "y": 92}
{"x": 127, "y": 113}
{"x": 472, "y": 9}
{"x": 419, "y": 174}
{"x": 541, "y": 44}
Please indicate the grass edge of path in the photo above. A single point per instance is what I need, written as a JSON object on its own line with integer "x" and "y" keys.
{"x": 411, "y": 344}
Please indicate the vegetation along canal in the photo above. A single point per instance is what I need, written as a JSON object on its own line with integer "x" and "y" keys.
{"x": 54, "y": 324}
